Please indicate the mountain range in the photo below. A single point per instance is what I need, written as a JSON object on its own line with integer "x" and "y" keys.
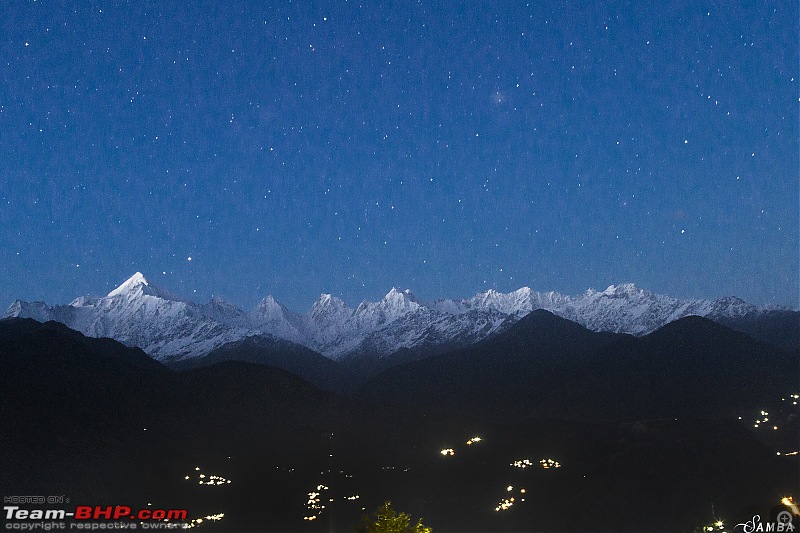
{"x": 179, "y": 332}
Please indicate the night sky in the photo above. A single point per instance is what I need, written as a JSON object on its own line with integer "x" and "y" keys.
{"x": 238, "y": 149}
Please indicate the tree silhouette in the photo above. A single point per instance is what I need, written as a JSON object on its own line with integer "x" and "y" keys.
{"x": 387, "y": 520}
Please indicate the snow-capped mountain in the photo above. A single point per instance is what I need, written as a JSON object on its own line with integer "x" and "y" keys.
{"x": 397, "y": 321}
{"x": 622, "y": 308}
{"x": 170, "y": 328}
{"x": 519, "y": 302}
{"x": 138, "y": 313}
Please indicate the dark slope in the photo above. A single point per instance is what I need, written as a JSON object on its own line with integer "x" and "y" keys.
{"x": 265, "y": 350}
{"x": 692, "y": 367}
{"x": 546, "y": 366}
{"x": 94, "y": 419}
{"x": 67, "y": 399}
{"x": 781, "y": 328}
{"x": 502, "y": 374}
{"x": 53, "y": 342}
{"x": 104, "y": 424}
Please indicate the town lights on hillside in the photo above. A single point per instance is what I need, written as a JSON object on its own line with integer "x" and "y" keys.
{"x": 549, "y": 463}
{"x": 473, "y": 440}
{"x": 195, "y": 522}
{"x": 448, "y": 452}
{"x": 203, "y": 479}
{"x": 314, "y": 503}
{"x": 507, "y": 502}
{"x": 762, "y": 419}
{"x": 504, "y": 505}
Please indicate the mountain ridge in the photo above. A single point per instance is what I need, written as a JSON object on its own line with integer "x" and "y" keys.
{"x": 172, "y": 329}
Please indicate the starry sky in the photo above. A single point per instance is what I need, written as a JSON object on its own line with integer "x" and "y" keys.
{"x": 241, "y": 149}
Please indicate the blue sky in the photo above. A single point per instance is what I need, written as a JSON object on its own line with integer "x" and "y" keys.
{"x": 294, "y": 149}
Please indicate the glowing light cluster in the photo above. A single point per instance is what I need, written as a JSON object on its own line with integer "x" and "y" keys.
{"x": 788, "y": 453}
{"x": 448, "y": 452}
{"x": 506, "y": 503}
{"x": 716, "y": 526}
{"x": 794, "y": 398}
{"x": 549, "y": 463}
{"x": 522, "y": 463}
{"x": 195, "y": 522}
{"x": 762, "y": 419}
{"x": 789, "y": 502}
{"x": 354, "y": 497}
{"x": 203, "y": 479}
{"x": 314, "y": 503}
{"x": 473, "y": 440}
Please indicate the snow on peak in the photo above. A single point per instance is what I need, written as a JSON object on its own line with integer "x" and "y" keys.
{"x": 522, "y": 292}
{"x": 520, "y": 301}
{"x": 129, "y": 285}
{"x": 273, "y": 318}
{"x": 397, "y": 294}
{"x": 269, "y": 308}
{"x": 137, "y": 285}
{"x": 623, "y": 289}
{"x": 328, "y": 309}
{"x": 220, "y": 303}
{"x": 328, "y": 301}
{"x": 399, "y": 301}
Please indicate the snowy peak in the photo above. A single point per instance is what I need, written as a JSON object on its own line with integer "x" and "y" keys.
{"x": 520, "y": 301}
{"x": 270, "y": 308}
{"x": 137, "y": 286}
{"x": 273, "y": 318}
{"x": 328, "y": 302}
{"x": 271, "y": 311}
{"x": 517, "y": 303}
{"x": 224, "y": 312}
{"x": 402, "y": 296}
{"x": 731, "y": 306}
{"x": 35, "y": 310}
{"x": 625, "y": 290}
{"x": 132, "y": 284}
{"x": 328, "y": 309}
{"x": 398, "y": 302}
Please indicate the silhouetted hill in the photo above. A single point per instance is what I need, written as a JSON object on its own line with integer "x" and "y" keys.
{"x": 781, "y": 328}
{"x": 546, "y": 366}
{"x": 53, "y": 342}
{"x": 75, "y": 407}
{"x": 264, "y": 350}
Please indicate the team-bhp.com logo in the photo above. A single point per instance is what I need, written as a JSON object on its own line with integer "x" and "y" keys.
{"x": 96, "y": 512}
{"x": 87, "y": 512}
